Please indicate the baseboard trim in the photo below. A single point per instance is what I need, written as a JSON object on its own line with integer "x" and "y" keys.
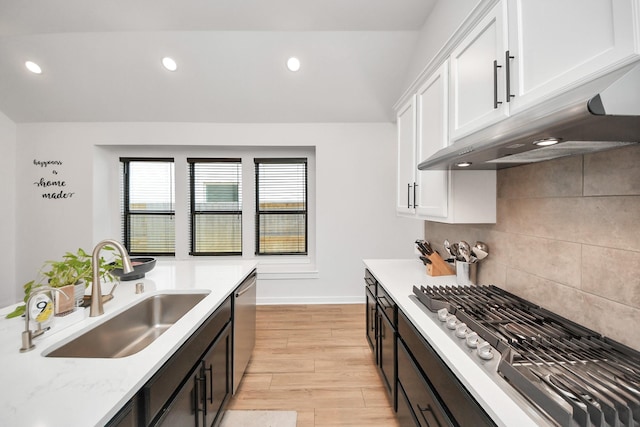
{"x": 309, "y": 300}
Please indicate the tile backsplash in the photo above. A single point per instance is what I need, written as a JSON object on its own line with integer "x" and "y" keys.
{"x": 567, "y": 237}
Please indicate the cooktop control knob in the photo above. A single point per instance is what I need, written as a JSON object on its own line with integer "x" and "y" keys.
{"x": 484, "y": 351}
{"x": 462, "y": 330}
{"x": 472, "y": 340}
{"x": 452, "y": 321}
{"x": 442, "y": 314}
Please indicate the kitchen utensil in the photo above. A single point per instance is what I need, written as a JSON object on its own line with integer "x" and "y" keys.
{"x": 480, "y": 250}
{"x": 454, "y": 251}
{"x": 424, "y": 247}
{"x": 425, "y": 260}
{"x": 465, "y": 250}
{"x": 447, "y": 247}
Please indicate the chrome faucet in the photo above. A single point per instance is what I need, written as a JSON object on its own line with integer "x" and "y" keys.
{"x": 28, "y": 334}
{"x": 96, "y": 308}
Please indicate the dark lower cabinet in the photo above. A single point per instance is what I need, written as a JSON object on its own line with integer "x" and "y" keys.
{"x": 434, "y": 394}
{"x": 386, "y": 354}
{"x": 216, "y": 372}
{"x": 126, "y": 417}
{"x": 422, "y": 389}
{"x": 404, "y": 414}
{"x": 371, "y": 319}
{"x": 381, "y": 317}
{"x": 424, "y": 410}
{"x": 200, "y": 400}
{"x": 193, "y": 386}
{"x": 184, "y": 408}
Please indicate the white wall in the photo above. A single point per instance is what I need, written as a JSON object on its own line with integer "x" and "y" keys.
{"x": 355, "y": 187}
{"x": 7, "y": 211}
{"x": 445, "y": 18}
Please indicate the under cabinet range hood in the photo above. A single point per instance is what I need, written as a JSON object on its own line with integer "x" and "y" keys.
{"x": 599, "y": 115}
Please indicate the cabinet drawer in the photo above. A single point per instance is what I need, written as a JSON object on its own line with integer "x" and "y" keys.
{"x": 370, "y": 282}
{"x": 388, "y": 306}
{"x": 451, "y": 394}
{"x": 423, "y": 403}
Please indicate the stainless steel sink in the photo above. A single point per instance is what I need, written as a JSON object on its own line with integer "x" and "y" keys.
{"x": 132, "y": 330}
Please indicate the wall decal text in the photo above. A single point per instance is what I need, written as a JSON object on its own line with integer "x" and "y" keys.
{"x": 55, "y": 188}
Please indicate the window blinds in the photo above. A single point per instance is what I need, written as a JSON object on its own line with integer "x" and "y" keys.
{"x": 281, "y": 206}
{"x": 216, "y": 206}
{"x": 148, "y": 206}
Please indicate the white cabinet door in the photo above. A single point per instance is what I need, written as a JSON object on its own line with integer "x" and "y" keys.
{"x": 406, "y": 124}
{"x": 477, "y": 77}
{"x": 432, "y": 192}
{"x": 558, "y": 44}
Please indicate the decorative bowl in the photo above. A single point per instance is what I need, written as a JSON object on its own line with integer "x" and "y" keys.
{"x": 141, "y": 266}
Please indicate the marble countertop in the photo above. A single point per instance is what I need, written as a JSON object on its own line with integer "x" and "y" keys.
{"x": 398, "y": 278}
{"x": 38, "y": 391}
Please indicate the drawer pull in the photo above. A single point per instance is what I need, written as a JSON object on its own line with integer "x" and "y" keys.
{"x": 424, "y": 412}
{"x": 386, "y": 303}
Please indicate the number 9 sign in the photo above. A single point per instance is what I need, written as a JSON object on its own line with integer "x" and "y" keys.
{"x": 41, "y": 308}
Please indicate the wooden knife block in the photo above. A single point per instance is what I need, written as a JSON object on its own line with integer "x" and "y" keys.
{"x": 438, "y": 266}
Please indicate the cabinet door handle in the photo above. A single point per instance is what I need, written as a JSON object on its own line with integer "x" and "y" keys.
{"x": 414, "y": 195}
{"x": 201, "y": 384}
{"x": 196, "y": 400}
{"x": 507, "y": 71}
{"x": 408, "y": 196}
{"x": 424, "y": 411}
{"x": 495, "y": 84}
{"x": 210, "y": 398}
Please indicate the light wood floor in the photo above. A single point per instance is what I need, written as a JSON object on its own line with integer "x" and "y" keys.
{"x": 315, "y": 359}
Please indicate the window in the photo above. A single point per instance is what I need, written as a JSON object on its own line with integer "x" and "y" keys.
{"x": 281, "y": 206}
{"x": 148, "y": 206}
{"x": 216, "y": 206}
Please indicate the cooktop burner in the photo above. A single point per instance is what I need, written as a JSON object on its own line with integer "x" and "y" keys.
{"x": 573, "y": 374}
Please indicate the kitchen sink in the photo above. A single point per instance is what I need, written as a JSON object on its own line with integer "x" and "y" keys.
{"x": 131, "y": 330}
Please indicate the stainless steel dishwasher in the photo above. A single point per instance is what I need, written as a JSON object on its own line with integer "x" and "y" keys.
{"x": 244, "y": 326}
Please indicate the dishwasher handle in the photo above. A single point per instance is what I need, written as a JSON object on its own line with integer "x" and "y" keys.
{"x": 247, "y": 288}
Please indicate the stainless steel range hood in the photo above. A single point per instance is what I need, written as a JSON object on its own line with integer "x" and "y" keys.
{"x": 599, "y": 115}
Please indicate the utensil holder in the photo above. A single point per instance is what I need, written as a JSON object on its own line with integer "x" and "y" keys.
{"x": 466, "y": 273}
{"x": 438, "y": 266}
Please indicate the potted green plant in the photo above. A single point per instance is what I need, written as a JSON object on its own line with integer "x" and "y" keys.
{"x": 73, "y": 270}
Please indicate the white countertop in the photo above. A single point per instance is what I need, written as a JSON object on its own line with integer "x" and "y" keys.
{"x": 38, "y": 391}
{"x": 398, "y": 278}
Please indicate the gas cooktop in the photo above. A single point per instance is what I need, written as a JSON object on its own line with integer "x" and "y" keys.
{"x": 574, "y": 375}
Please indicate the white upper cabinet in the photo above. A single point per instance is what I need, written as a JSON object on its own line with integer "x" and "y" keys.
{"x": 432, "y": 135}
{"x": 438, "y": 195}
{"x": 525, "y": 51}
{"x": 407, "y": 166}
{"x": 556, "y": 45}
{"x": 477, "y": 79}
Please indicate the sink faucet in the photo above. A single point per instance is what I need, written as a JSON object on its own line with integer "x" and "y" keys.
{"x": 96, "y": 308}
{"x": 28, "y": 334}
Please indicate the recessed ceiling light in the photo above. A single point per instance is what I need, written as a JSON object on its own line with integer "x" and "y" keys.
{"x": 463, "y": 164}
{"x": 33, "y": 67}
{"x": 547, "y": 141}
{"x": 169, "y": 63}
{"x": 293, "y": 64}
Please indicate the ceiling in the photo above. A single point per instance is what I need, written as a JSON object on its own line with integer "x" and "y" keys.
{"x": 101, "y": 60}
